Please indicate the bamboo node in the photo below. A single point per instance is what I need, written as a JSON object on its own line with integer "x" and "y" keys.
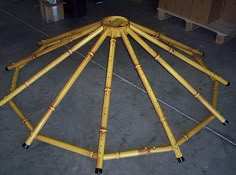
{"x": 212, "y": 75}
{"x": 137, "y": 66}
{"x": 157, "y": 35}
{"x": 117, "y": 155}
{"x": 91, "y": 154}
{"x": 197, "y": 94}
{"x": 70, "y": 51}
{"x": 103, "y": 130}
{"x": 33, "y": 56}
{"x": 157, "y": 57}
{"x": 163, "y": 119}
{"x": 25, "y": 120}
{"x": 91, "y": 53}
{"x": 52, "y": 108}
{"x": 144, "y": 151}
{"x": 26, "y": 83}
{"x": 171, "y": 50}
{"x": 186, "y": 137}
{"x": 107, "y": 89}
{"x": 113, "y": 40}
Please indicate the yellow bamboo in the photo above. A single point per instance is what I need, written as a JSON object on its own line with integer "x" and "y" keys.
{"x": 64, "y": 91}
{"x": 139, "y": 152}
{"x": 65, "y": 146}
{"x": 167, "y": 39}
{"x": 178, "y": 77}
{"x": 199, "y": 60}
{"x": 50, "y": 66}
{"x": 114, "y": 27}
{"x": 152, "y": 96}
{"x": 215, "y": 93}
{"x": 20, "y": 115}
{"x": 195, "y": 130}
{"x": 46, "y": 139}
{"x": 179, "y": 48}
{"x": 106, "y": 103}
{"x": 72, "y": 32}
{"x": 15, "y": 78}
{"x": 50, "y": 48}
{"x": 73, "y": 36}
{"x": 206, "y": 121}
{"x": 17, "y": 64}
{"x": 180, "y": 56}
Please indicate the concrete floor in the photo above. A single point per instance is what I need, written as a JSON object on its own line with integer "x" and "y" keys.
{"x": 132, "y": 123}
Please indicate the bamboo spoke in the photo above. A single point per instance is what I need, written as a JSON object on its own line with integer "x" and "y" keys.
{"x": 106, "y": 104}
{"x": 180, "y": 56}
{"x": 178, "y": 77}
{"x": 152, "y": 97}
{"x": 49, "y": 48}
{"x": 64, "y": 90}
{"x": 168, "y": 40}
{"x": 66, "y": 34}
{"x": 49, "y": 67}
{"x": 114, "y": 27}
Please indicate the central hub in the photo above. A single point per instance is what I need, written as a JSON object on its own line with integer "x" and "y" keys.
{"x": 115, "y": 23}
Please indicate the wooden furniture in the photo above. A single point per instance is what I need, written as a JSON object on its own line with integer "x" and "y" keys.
{"x": 214, "y": 15}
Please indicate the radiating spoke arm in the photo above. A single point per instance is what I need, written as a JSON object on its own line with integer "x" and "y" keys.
{"x": 64, "y": 90}
{"x": 177, "y": 76}
{"x": 152, "y": 97}
{"x": 166, "y": 39}
{"x": 48, "y": 47}
{"x": 50, "y": 66}
{"x": 179, "y": 55}
{"x": 106, "y": 104}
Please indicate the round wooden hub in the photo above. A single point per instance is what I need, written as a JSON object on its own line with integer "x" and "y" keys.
{"x": 116, "y": 23}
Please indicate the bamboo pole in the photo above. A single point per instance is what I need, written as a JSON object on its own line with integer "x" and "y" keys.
{"x": 178, "y": 77}
{"x": 202, "y": 124}
{"x": 14, "y": 79}
{"x": 65, "y": 146}
{"x": 14, "y": 65}
{"x": 167, "y": 39}
{"x": 180, "y": 56}
{"x": 215, "y": 93}
{"x": 66, "y": 34}
{"x": 50, "y": 66}
{"x": 20, "y": 115}
{"x": 49, "y": 140}
{"x": 50, "y": 48}
{"x": 195, "y": 130}
{"x": 139, "y": 152}
{"x": 152, "y": 97}
{"x": 179, "y": 48}
{"x": 70, "y": 37}
{"x": 64, "y": 91}
{"x": 206, "y": 121}
{"x": 106, "y": 103}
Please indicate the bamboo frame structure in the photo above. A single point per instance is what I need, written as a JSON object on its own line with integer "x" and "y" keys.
{"x": 115, "y": 27}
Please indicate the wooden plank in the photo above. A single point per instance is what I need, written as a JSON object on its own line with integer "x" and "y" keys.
{"x": 220, "y": 27}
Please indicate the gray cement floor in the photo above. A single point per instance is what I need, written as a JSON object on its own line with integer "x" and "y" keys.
{"x": 132, "y": 121}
